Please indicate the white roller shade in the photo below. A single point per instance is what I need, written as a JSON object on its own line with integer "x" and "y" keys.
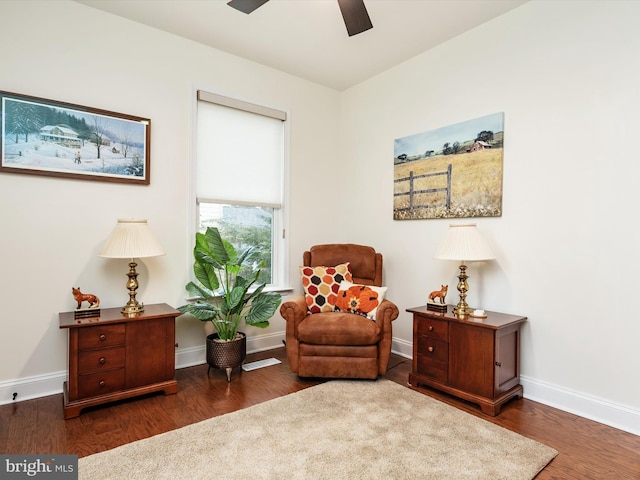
{"x": 239, "y": 155}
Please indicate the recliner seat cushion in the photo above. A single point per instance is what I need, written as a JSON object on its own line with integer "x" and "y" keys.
{"x": 334, "y": 328}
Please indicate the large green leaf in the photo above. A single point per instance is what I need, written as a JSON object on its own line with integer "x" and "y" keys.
{"x": 206, "y": 275}
{"x": 203, "y": 253}
{"x": 244, "y": 283}
{"x": 248, "y": 283}
{"x": 216, "y": 246}
{"x": 196, "y": 290}
{"x": 232, "y": 254}
{"x": 246, "y": 256}
{"x": 236, "y": 298}
{"x": 203, "y": 311}
{"x": 262, "y": 309}
{"x": 257, "y": 292}
{"x": 233, "y": 269}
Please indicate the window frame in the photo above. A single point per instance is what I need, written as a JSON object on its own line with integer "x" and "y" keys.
{"x": 280, "y": 243}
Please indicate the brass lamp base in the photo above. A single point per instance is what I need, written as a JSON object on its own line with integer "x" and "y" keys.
{"x": 462, "y": 309}
{"x": 132, "y": 307}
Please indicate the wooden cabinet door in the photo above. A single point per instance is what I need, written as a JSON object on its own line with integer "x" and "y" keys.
{"x": 471, "y": 359}
{"x": 150, "y": 351}
{"x": 506, "y": 364}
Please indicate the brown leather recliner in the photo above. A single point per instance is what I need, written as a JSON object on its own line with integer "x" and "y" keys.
{"x": 338, "y": 344}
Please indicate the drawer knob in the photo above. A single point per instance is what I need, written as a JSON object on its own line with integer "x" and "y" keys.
{"x": 102, "y": 360}
{"x": 498, "y": 364}
{"x": 430, "y": 328}
{"x": 431, "y": 349}
{"x": 102, "y": 337}
{"x": 102, "y": 383}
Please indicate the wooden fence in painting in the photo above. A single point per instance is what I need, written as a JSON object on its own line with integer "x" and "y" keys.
{"x": 412, "y": 192}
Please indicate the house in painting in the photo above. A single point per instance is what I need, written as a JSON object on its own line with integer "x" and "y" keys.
{"x": 479, "y": 145}
{"x": 60, "y": 134}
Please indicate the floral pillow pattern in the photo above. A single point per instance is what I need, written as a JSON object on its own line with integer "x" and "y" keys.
{"x": 321, "y": 285}
{"x": 359, "y": 299}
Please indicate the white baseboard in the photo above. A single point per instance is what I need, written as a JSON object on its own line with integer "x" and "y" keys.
{"x": 260, "y": 343}
{"x": 402, "y": 348}
{"x": 37, "y": 386}
{"x": 581, "y": 404}
{"x": 28, "y": 388}
{"x": 188, "y": 357}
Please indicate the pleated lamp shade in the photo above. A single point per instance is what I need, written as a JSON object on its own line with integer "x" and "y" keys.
{"x": 131, "y": 239}
{"x": 463, "y": 242}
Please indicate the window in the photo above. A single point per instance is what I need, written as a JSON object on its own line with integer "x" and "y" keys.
{"x": 239, "y": 177}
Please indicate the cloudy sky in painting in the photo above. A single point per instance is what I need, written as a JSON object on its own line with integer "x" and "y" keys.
{"x": 460, "y": 132}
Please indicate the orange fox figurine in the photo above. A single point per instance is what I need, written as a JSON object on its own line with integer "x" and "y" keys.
{"x": 94, "y": 302}
{"x": 441, "y": 294}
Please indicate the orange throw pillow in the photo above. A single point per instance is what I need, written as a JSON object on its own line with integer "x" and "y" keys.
{"x": 321, "y": 285}
{"x": 360, "y": 299}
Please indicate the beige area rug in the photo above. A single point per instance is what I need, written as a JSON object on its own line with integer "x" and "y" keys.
{"x": 341, "y": 429}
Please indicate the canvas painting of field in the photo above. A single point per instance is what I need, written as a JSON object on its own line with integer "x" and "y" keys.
{"x": 451, "y": 172}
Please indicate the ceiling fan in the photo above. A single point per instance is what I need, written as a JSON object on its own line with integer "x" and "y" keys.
{"x": 354, "y": 13}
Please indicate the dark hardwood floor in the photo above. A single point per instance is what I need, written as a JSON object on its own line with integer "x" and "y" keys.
{"x": 587, "y": 450}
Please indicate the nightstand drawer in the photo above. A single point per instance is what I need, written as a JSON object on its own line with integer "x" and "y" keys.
{"x": 101, "y": 382}
{"x": 433, "y": 328}
{"x": 434, "y": 350}
{"x": 90, "y": 361}
{"x": 426, "y": 367}
{"x": 101, "y": 336}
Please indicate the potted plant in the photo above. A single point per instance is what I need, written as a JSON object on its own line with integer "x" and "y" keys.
{"x": 227, "y": 294}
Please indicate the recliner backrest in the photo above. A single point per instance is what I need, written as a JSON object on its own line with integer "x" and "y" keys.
{"x": 366, "y": 264}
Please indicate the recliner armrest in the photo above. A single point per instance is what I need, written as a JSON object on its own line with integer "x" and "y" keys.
{"x": 387, "y": 312}
{"x": 294, "y": 310}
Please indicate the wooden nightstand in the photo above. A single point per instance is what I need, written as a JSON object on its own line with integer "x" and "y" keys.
{"x": 115, "y": 356}
{"x": 476, "y": 359}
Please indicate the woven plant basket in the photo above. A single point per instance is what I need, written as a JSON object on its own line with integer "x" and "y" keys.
{"x": 226, "y": 355}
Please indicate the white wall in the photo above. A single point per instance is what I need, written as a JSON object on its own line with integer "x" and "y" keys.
{"x": 564, "y": 73}
{"x": 52, "y": 229}
{"x": 566, "y": 76}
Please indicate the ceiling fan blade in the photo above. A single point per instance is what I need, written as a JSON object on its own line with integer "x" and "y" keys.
{"x": 246, "y": 6}
{"x": 355, "y": 16}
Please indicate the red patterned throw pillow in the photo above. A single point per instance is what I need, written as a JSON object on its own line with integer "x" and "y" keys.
{"x": 360, "y": 299}
{"x": 321, "y": 285}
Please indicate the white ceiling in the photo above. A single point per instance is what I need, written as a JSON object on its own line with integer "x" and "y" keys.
{"x": 307, "y": 38}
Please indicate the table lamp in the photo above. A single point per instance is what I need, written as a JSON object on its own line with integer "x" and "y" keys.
{"x": 131, "y": 239}
{"x": 463, "y": 243}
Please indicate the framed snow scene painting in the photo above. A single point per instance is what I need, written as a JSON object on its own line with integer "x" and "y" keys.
{"x": 450, "y": 172}
{"x": 46, "y": 137}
